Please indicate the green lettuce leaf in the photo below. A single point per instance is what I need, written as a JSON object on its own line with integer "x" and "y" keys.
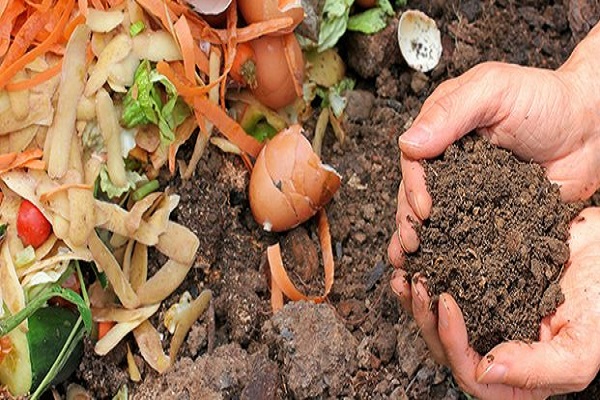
{"x": 143, "y": 103}
{"x": 372, "y": 20}
{"x": 334, "y": 21}
{"x": 111, "y": 190}
{"x": 368, "y": 22}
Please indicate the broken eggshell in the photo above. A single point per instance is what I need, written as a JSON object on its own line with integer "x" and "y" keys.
{"x": 420, "y": 40}
{"x": 265, "y": 10}
{"x": 209, "y": 7}
{"x": 289, "y": 183}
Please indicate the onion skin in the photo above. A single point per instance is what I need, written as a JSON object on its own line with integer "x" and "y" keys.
{"x": 274, "y": 80}
{"x": 264, "y": 10}
{"x": 289, "y": 184}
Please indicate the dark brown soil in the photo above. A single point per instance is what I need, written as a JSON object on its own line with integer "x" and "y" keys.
{"x": 245, "y": 352}
{"x": 496, "y": 241}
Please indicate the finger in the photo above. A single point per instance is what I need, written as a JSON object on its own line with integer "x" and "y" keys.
{"x": 405, "y": 219}
{"x": 395, "y": 251}
{"x": 471, "y": 105}
{"x": 564, "y": 364}
{"x": 401, "y": 288}
{"x": 442, "y": 90}
{"x": 426, "y": 320}
{"x": 413, "y": 176}
{"x": 464, "y": 360}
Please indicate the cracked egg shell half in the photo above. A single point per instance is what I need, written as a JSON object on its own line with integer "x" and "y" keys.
{"x": 289, "y": 183}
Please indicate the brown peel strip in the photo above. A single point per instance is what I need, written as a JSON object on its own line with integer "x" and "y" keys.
{"x": 187, "y": 319}
{"x": 149, "y": 343}
{"x": 280, "y": 281}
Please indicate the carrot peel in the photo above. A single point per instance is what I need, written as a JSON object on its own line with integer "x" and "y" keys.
{"x": 281, "y": 283}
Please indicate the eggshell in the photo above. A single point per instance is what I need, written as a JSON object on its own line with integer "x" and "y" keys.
{"x": 289, "y": 184}
{"x": 420, "y": 40}
{"x": 274, "y": 211}
{"x": 264, "y": 10}
{"x": 274, "y": 80}
{"x": 212, "y": 7}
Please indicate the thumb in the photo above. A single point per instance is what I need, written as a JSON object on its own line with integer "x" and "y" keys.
{"x": 561, "y": 365}
{"x": 450, "y": 115}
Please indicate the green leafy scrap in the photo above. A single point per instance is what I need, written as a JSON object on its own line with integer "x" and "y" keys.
{"x": 113, "y": 191}
{"x": 372, "y": 20}
{"x": 143, "y": 103}
{"x": 334, "y": 21}
{"x": 334, "y": 96}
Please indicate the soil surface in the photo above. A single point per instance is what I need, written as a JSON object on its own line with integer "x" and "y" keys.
{"x": 359, "y": 344}
{"x": 495, "y": 240}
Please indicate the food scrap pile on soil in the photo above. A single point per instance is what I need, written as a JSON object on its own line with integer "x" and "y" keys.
{"x": 359, "y": 344}
{"x": 495, "y": 240}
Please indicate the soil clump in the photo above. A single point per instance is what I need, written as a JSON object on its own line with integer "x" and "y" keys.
{"x": 496, "y": 241}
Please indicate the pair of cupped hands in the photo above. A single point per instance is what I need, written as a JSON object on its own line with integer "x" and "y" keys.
{"x": 550, "y": 117}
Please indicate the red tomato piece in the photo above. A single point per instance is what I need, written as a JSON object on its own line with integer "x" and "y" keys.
{"x": 32, "y": 227}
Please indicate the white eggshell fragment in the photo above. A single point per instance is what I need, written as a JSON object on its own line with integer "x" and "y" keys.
{"x": 209, "y": 7}
{"x": 420, "y": 40}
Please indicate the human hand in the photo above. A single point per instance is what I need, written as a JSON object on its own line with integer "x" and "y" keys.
{"x": 567, "y": 356}
{"x": 540, "y": 115}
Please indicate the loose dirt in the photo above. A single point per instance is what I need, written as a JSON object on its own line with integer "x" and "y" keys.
{"x": 495, "y": 240}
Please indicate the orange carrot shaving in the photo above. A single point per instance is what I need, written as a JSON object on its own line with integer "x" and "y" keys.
{"x": 186, "y": 43}
{"x": 256, "y": 29}
{"x": 282, "y": 281}
{"x": 78, "y": 20}
{"x": 229, "y": 127}
{"x": 230, "y": 46}
{"x": 11, "y": 161}
{"x": 7, "y": 20}
{"x": 37, "y": 79}
{"x": 247, "y": 162}
{"x": 104, "y": 327}
{"x": 98, "y": 4}
{"x": 7, "y": 159}
{"x": 11, "y": 69}
{"x": 44, "y": 6}
{"x": 34, "y": 164}
{"x": 296, "y": 71}
{"x": 201, "y": 60}
{"x": 83, "y": 7}
{"x": 185, "y": 89}
{"x": 3, "y": 5}
{"x": 48, "y": 194}
{"x": 162, "y": 9}
{"x": 25, "y": 37}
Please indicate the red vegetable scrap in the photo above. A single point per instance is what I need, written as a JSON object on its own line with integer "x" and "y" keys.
{"x": 32, "y": 227}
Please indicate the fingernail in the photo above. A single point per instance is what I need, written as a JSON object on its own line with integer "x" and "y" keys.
{"x": 420, "y": 302}
{"x": 415, "y": 137}
{"x": 398, "y": 282}
{"x": 494, "y": 373}
{"x": 417, "y": 204}
{"x": 444, "y": 313}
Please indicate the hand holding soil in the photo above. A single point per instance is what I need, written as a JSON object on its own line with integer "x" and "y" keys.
{"x": 564, "y": 360}
{"x": 540, "y": 115}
